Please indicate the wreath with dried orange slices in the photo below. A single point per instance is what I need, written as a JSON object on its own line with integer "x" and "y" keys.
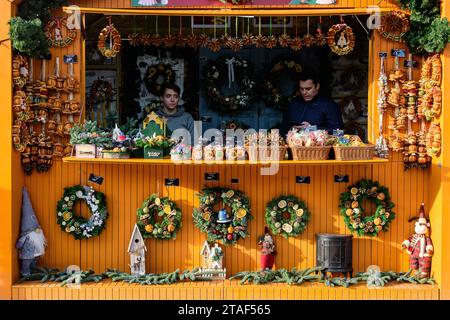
{"x": 116, "y": 41}
{"x": 351, "y": 208}
{"x": 162, "y": 207}
{"x": 287, "y": 216}
{"x": 207, "y": 219}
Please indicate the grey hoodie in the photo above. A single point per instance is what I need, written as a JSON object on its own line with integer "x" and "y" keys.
{"x": 180, "y": 119}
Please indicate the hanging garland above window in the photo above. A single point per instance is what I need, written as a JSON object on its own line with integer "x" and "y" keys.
{"x": 351, "y": 208}
{"x": 233, "y": 71}
{"x": 274, "y": 97}
{"x": 55, "y": 35}
{"x": 75, "y": 225}
{"x": 224, "y": 226}
{"x": 287, "y": 216}
{"x": 115, "y": 41}
{"x": 341, "y": 39}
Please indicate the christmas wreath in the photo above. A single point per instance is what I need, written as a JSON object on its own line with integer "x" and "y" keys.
{"x": 287, "y": 215}
{"x": 236, "y": 71}
{"x": 275, "y": 97}
{"x": 54, "y": 28}
{"x": 346, "y": 42}
{"x": 101, "y": 91}
{"x": 115, "y": 41}
{"x": 351, "y": 208}
{"x": 160, "y": 207}
{"x": 79, "y": 227}
{"x": 394, "y": 26}
{"x": 157, "y": 72}
{"x": 234, "y": 226}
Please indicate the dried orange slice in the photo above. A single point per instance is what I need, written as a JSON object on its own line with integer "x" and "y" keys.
{"x": 241, "y": 213}
{"x": 282, "y": 204}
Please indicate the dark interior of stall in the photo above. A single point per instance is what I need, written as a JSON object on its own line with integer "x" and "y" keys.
{"x": 126, "y": 88}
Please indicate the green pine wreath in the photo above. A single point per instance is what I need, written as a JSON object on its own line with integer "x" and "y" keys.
{"x": 216, "y": 75}
{"x": 161, "y": 207}
{"x": 287, "y": 216}
{"x": 351, "y": 209}
{"x": 75, "y": 225}
{"x": 205, "y": 216}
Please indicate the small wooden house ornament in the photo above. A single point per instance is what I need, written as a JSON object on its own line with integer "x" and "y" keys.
{"x": 216, "y": 258}
{"x": 137, "y": 251}
{"x": 205, "y": 253}
{"x": 154, "y": 126}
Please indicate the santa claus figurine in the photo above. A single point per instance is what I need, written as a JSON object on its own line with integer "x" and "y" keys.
{"x": 268, "y": 252}
{"x": 419, "y": 246}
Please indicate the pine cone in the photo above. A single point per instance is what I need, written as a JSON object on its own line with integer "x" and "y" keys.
{"x": 296, "y": 44}
{"x": 284, "y": 40}
{"x": 248, "y": 40}
{"x": 271, "y": 42}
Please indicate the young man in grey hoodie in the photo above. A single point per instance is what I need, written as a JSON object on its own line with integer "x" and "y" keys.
{"x": 176, "y": 116}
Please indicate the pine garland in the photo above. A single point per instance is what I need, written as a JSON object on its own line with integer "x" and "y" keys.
{"x": 45, "y": 274}
{"x": 428, "y": 33}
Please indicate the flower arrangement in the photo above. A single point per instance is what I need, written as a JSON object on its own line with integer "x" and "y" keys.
{"x": 160, "y": 142}
{"x": 90, "y": 133}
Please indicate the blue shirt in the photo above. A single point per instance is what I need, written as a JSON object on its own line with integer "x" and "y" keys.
{"x": 321, "y": 111}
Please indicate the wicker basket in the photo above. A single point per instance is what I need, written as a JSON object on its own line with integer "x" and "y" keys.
{"x": 354, "y": 153}
{"x": 265, "y": 154}
{"x": 311, "y": 153}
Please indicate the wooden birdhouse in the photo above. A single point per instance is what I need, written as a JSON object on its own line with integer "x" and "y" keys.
{"x": 205, "y": 253}
{"x": 154, "y": 126}
{"x": 137, "y": 251}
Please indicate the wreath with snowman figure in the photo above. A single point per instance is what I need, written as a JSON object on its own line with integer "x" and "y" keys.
{"x": 223, "y": 225}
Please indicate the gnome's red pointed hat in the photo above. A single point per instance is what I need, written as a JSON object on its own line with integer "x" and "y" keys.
{"x": 422, "y": 218}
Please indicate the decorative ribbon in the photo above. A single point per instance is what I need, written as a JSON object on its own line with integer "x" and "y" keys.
{"x": 230, "y": 63}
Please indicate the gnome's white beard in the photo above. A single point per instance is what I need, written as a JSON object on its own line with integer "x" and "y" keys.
{"x": 39, "y": 241}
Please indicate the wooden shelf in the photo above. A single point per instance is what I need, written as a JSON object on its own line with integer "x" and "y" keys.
{"x": 221, "y": 163}
{"x": 220, "y": 290}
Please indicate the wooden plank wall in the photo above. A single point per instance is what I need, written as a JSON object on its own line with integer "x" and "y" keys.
{"x": 126, "y": 187}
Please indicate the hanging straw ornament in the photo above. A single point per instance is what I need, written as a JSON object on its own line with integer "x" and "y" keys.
{"x": 346, "y": 42}
{"x": 320, "y": 40}
{"x": 115, "y": 41}
{"x": 260, "y": 40}
{"x": 156, "y": 40}
{"x": 181, "y": 39}
{"x": 284, "y": 39}
{"x": 215, "y": 44}
{"x": 296, "y": 43}
{"x": 271, "y": 41}
{"x": 394, "y": 25}
{"x": 308, "y": 40}
{"x": 192, "y": 41}
{"x": 169, "y": 40}
{"x": 381, "y": 147}
{"x": 134, "y": 38}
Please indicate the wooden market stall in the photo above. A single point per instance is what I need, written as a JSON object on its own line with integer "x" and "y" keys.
{"x": 128, "y": 182}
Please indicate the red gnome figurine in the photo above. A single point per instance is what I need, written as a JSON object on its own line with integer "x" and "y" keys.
{"x": 268, "y": 252}
{"x": 419, "y": 246}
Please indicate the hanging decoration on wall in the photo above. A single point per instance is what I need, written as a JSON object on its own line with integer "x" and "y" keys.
{"x": 231, "y": 72}
{"x": 156, "y": 206}
{"x": 351, "y": 209}
{"x": 394, "y": 25}
{"x": 55, "y": 35}
{"x": 157, "y": 75}
{"x": 341, "y": 39}
{"x": 286, "y": 216}
{"x": 20, "y": 69}
{"x": 75, "y": 225}
{"x": 381, "y": 146}
{"x": 272, "y": 92}
{"x": 115, "y": 41}
{"x": 320, "y": 40}
{"x": 226, "y": 226}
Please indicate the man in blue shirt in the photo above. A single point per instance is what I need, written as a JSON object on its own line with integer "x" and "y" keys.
{"x": 311, "y": 108}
